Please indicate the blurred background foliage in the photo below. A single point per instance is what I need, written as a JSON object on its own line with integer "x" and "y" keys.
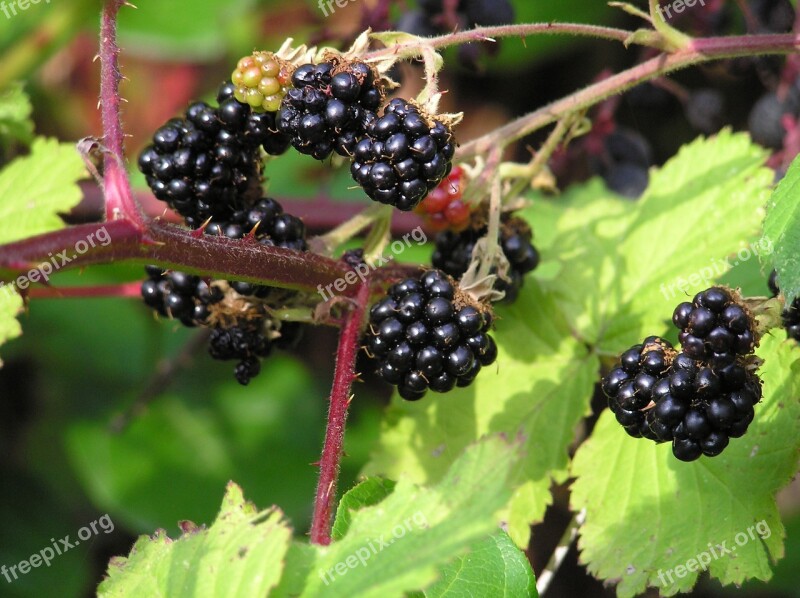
{"x": 104, "y": 409}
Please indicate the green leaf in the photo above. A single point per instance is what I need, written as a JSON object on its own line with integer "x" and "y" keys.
{"x": 648, "y": 514}
{"x": 540, "y": 388}
{"x": 10, "y": 307}
{"x": 397, "y": 544}
{"x": 15, "y": 115}
{"x": 241, "y": 554}
{"x": 369, "y": 492}
{"x": 782, "y": 229}
{"x": 626, "y": 265}
{"x": 35, "y": 188}
{"x": 494, "y": 567}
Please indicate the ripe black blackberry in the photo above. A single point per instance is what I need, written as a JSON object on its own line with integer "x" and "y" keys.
{"x": 667, "y": 397}
{"x": 403, "y": 156}
{"x": 272, "y": 227}
{"x": 245, "y": 342}
{"x": 329, "y": 107}
{"x": 420, "y": 338}
{"x": 179, "y": 295}
{"x": 254, "y": 128}
{"x": 715, "y": 328}
{"x": 791, "y": 313}
{"x": 453, "y": 253}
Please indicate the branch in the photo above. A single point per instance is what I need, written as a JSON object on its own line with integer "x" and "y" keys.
{"x": 343, "y": 379}
{"x": 482, "y": 34}
{"x": 118, "y": 195}
{"x": 698, "y": 52}
{"x": 170, "y": 246}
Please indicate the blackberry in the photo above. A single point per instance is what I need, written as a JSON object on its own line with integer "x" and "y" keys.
{"x": 253, "y": 127}
{"x": 443, "y": 208}
{"x": 453, "y": 253}
{"x": 421, "y": 338}
{"x": 667, "y": 397}
{"x": 329, "y": 107}
{"x": 179, "y": 295}
{"x": 714, "y": 327}
{"x": 244, "y": 342}
{"x": 199, "y": 168}
{"x": 705, "y": 110}
{"x": 765, "y": 121}
{"x": 791, "y": 313}
{"x": 261, "y": 80}
{"x": 403, "y": 156}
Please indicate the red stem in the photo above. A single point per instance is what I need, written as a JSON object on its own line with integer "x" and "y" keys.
{"x": 119, "y": 198}
{"x": 127, "y": 289}
{"x": 343, "y": 378}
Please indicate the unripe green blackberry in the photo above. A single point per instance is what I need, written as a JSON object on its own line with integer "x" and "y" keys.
{"x": 261, "y": 81}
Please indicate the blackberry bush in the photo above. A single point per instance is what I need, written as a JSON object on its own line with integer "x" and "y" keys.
{"x": 453, "y": 253}
{"x": 403, "y": 157}
{"x": 329, "y": 107}
{"x": 422, "y": 336}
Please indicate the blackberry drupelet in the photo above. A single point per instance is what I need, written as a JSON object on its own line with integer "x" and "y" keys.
{"x": 791, "y": 313}
{"x": 420, "y": 338}
{"x": 714, "y": 327}
{"x": 179, "y": 295}
{"x": 403, "y": 156}
{"x": 453, "y": 253}
{"x": 329, "y": 107}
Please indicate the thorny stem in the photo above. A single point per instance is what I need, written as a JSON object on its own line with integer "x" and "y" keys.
{"x": 343, "y": 378}
{"x": 118, "y": 195}
{"x": 698, "y": 52}
{"x": 129, "y": 290}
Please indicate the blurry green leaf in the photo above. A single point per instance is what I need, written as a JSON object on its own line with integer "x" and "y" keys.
{"x": 782, "y": 230}
{"x": 397, "y": 544}
{"x": 34, "y": 188}
{"x": 493, "y": 567}
{"x": 165, "y": 465}
{"x": 647, "y": 514}
{"x": 15, "y": 115}
{"x": 369, "y": 492}
{"x": 191, "y": 30}
{"x": 239, "y": 555}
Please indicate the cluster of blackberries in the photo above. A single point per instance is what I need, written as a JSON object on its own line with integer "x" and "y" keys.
{"x": 179, "y": 295}
{"x": 791, "y": 313}
{"x": 714, "y": 328}
{"x": 403, "y": 156}
{"x": 329, "y": 107}
{"x": 663, "y": 396}
{"x": 421, "y": 337}
{"x": 248, "y": 344}
{"x": 453, "y": 253}
{"x": 205, "y": 164}
{"x": 699, "y": 398}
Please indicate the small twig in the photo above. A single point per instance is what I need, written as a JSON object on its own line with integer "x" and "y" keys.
{"x": 559, "y": 554}
{"x": 160, "y": 381}
{"x": 343, "y": 378}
